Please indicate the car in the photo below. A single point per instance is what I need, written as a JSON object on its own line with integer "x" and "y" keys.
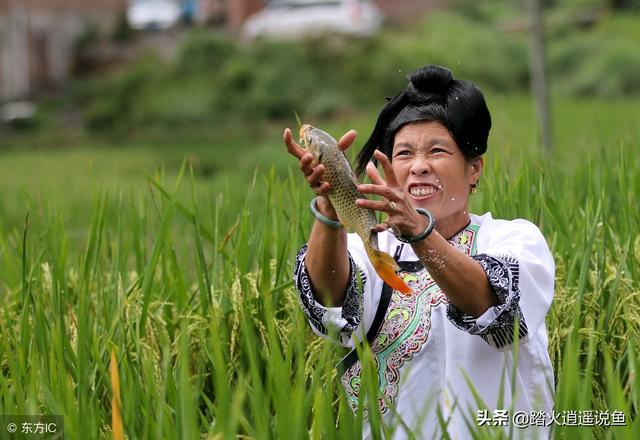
{"x": 153, "y": 14}
{"x": 292, "y": 19}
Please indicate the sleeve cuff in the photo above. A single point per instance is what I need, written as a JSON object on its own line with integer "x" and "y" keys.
{"x": 344, "y": 319}
{"x": 496, "y": 325}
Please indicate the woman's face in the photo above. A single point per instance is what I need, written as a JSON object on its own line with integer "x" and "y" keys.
{"x": 431, "y": 168}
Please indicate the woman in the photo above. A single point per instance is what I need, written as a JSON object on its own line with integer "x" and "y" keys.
{"x": 446, "y": 353}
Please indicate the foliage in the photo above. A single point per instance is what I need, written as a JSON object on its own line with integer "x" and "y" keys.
{"x": 112, "y": 103}
{"x": 191, "y": 289}
{"x": 213, "y": 80}
{"x": 603, "y": 62}
{"x": 201, "y": 51}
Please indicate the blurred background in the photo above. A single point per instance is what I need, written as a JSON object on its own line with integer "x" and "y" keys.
{"x": 149, "y": 207}
{"x": 96, "y": 93}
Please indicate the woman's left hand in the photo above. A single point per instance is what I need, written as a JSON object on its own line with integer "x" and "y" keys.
{"x": 403, "y": 218}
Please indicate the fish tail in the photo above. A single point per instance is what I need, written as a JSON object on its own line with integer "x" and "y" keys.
{"x": 386, "y": 267}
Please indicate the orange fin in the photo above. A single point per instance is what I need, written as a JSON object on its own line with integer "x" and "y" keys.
{"x": 386, "y": 267}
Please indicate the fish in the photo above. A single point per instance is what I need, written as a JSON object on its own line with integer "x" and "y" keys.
{"x": 343, "y": 194}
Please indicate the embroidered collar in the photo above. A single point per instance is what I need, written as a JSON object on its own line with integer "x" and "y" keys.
{"x": 460, "y": 231}
{"x": 465, "y": 239}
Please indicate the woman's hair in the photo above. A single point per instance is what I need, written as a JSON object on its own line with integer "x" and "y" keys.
{"x": 433, "y": 95}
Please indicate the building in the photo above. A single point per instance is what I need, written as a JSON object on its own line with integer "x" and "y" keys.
{"x": 38, "y": 37}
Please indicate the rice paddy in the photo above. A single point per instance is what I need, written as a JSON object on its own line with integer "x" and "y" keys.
{"x": 187, "y": 291}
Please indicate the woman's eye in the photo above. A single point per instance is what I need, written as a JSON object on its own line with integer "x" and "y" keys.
{"x": 438, "y": 150}
{"x": 402, "y": 153}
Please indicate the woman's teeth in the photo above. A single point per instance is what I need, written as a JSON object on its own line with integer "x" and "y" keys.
{"x": 421, "y": 191}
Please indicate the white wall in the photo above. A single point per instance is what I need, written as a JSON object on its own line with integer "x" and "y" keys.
{"x": 14, "y": 59}
{"x": 60, "y": 30}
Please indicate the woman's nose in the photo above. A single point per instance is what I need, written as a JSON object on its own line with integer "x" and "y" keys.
{"x": 420, "y": 166}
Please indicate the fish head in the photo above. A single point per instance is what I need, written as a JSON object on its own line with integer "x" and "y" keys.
{"x": 316, "y": 141}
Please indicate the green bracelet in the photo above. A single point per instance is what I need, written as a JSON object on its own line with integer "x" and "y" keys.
{"x": 424, "y": 234}
{"x": 323, "y": 219}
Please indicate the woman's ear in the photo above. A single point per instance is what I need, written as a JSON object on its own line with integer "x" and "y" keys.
{"x": 475, "y": 169}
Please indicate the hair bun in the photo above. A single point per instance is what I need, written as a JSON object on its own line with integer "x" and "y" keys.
{"x": 432, "y": 79}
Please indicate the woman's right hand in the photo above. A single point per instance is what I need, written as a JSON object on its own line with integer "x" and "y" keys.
{"x": 312, "y": 173}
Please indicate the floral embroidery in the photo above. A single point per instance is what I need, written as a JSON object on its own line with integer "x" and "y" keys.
{"x": 405, "y": 329}
{"x": 503, "y": 273}
{"x": 319, "y": 316}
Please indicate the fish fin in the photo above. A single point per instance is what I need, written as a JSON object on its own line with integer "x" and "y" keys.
{"x": 386, "y": 267}
{"x": 373, "y": 238}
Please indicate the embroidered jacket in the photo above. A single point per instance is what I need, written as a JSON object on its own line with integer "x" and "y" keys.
{"x": 429, "y": 354}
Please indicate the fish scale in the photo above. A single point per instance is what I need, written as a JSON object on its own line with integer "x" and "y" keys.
{"x": 343, "y": 195}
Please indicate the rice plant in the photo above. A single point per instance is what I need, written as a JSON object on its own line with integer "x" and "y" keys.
{"x": 176, "y": 317}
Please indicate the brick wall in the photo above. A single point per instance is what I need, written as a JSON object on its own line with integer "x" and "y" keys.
{"x": 239, "y": 10}
{"x": 406, "y": 10}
